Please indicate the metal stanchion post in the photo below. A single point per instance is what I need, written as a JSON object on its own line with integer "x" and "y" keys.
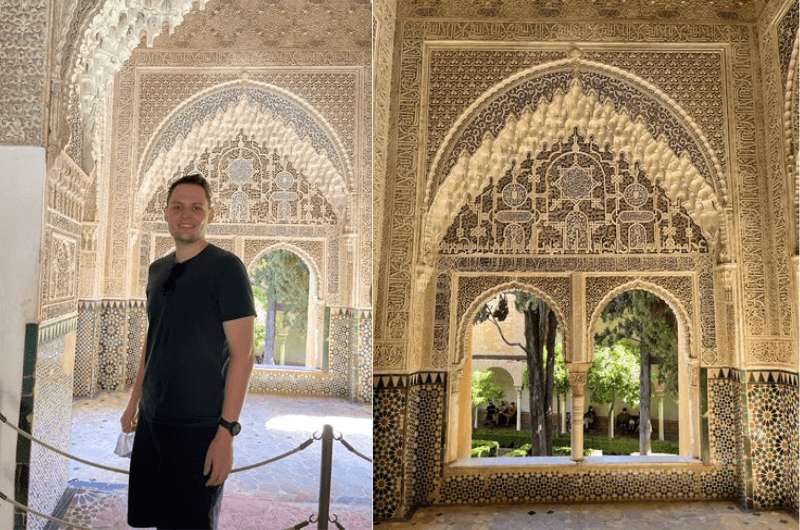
{"x": 325, "y": 478}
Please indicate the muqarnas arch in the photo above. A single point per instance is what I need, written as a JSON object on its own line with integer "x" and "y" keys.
{"x": 576, "y": 181}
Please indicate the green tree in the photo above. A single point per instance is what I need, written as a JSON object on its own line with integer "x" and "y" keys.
{"x": 646, "y": 320}
{"x": 614, "y": 375}
{"x": 280, "y": 284}
{"x": 484, "y": 389}
{"x": 540, "y": 353}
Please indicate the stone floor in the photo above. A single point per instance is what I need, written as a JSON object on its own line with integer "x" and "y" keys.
{"x": 277, "y": 495}
{"x": 611, "y": 516}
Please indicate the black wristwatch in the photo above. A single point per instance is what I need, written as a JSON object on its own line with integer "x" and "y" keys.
{"x": 233, "y": 426}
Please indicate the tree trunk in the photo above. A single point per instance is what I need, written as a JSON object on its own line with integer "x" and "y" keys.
{"x": 644, "y": 403}
{"x": 611, "y": 420}
{"x": 536, "y": 394}
{"x": 551, "y": 323}
{"x": 269, "y": 336}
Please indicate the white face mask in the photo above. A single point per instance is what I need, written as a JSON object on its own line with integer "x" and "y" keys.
{"x": 124, "y": 446}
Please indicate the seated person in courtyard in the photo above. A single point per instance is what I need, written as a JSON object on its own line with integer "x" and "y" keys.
{"x": 508, "y": 416}
{"x": 622, "y": 419}
{"x": 588, "y": 418}
{"x": 633, "y": 424}
{"x": 491, "y": 414}
{"x": 501, "y": 416}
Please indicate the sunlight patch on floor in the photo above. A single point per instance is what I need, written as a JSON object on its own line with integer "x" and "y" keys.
{"x": 306, "y": 423}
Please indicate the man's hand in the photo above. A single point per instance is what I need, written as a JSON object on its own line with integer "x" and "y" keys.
{"x": 130, "y": 418}
{"x": 219, "y": 457}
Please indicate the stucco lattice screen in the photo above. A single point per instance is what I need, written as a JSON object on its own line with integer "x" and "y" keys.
{"x": 573, "y": 198}
{"x": 252, "y": 182}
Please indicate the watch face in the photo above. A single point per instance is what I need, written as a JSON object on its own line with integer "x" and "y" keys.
{"x": 236, "y": 428}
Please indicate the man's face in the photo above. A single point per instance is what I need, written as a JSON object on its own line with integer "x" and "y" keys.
{"x": 188, "y": 213}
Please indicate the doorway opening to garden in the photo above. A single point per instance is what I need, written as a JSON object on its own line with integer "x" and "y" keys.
{"x": 519, "y": 385}
{"x": 285, "y": 327}
{"x": 633, "y": 380}
{"x": 639, "y": 396}
{"x": 641, "y": 400}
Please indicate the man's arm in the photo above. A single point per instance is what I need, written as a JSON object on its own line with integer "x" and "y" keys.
{"x": 239, "y": 334}
{"x": 219, "y": 458}
{"x": 129, "y": 417}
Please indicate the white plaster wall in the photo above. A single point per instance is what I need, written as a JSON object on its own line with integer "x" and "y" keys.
{"x": 22, "y": 184}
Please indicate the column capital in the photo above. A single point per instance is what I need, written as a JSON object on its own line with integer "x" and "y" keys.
{"x": 578, "y": 373}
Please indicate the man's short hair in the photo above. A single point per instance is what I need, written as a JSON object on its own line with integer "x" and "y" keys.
{"x": 195, "y": 178}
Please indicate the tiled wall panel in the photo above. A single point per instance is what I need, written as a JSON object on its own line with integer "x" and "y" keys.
{"x": 52, "y": 416}
{"x": 772, "y": 401}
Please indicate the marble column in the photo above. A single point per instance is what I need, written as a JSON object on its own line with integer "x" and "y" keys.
{"x": 519, "y": 407}
{"x": 577, "y": 381}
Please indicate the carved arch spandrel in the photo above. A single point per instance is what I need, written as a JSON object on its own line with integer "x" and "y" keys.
{"x": 554, "y": 290}
{"x": 246, "y": 106}
{"x": 594, "y": 117}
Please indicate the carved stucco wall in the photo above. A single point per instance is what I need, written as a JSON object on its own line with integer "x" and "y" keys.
{"x": 23, "y": 53}
{"x": 219, "y": 77}
{"x": 708, "y": 75}
{"x": 59, "y": 89}
{"x": 717, "y": 63}
{"x": 777, "y": 34}
{"x": 384, "y": 14}
{"x": 297, "y": 106}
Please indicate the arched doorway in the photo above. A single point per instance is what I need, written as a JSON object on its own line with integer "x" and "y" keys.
{"x": 625, "y": 310}
{"x": 635, "y": 371}
{"x": 286, "y": 288}
{"x": 280, "y": 283}
{"x": 519, "y": 304}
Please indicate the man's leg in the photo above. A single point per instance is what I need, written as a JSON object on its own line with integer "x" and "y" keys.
{"x": 190, "y": 504}
{"x": 143, "y": 491}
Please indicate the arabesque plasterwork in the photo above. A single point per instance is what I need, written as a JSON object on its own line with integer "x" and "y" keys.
{"x": 483, "y": 194}
{"x": 778, "y": 45}
{"x": 90, "y": 82}
{"x": 715, "y": 60}
{"x": 384, "y": 15}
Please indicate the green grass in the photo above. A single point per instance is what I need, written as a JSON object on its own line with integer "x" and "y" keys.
{"x": 511, "y": 438}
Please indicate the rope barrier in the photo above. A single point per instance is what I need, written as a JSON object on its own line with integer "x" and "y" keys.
{"x": 59, "y": 451}
{"x": 297, "y": 449}
{"x": 3, "y": 419}
{"x": 311, "y": 519}
{"x": 352, "y": 449}
{"x": 335, "y": 521}
{"x": 40, "y": 514}
{"x": 326, "y": 437}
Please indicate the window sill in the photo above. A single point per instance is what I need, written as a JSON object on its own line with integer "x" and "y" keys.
{"x": 275, "y": 368}
{"x": 465, "y": 466}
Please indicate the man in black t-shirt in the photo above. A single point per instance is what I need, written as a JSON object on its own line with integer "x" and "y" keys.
{"x": 192, "y": 380}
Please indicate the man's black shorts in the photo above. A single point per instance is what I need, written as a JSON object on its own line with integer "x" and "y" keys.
{"x": 166, "y": 487}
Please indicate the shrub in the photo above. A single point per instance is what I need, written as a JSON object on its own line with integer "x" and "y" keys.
{"x": 521, "y": 451}
{"x": 484, "y": 448}
{"x": 561, "y": 444}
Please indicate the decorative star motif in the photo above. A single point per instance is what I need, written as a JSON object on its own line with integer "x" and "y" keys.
{"x": 576, "y": 182}
{"x": 240, "y": 170}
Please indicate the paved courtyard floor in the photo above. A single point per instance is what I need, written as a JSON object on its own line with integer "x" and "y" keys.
{"x": 609, "y": 516}
{"x": 277, "y": 495}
